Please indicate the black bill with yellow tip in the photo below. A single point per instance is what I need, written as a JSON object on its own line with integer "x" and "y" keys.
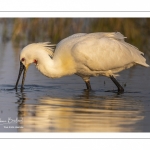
{"x": 22, "y": 68}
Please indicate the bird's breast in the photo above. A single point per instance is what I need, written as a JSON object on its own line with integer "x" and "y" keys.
{"x": 67, "y": 64}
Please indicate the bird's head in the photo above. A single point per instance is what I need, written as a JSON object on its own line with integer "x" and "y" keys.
{"x": 30, "y": 54}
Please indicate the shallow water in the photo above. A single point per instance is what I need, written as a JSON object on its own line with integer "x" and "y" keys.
{"x": 62, "y": 105}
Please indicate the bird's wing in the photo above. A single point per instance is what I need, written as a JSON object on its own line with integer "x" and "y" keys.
{"x": 70, "y": 39}
{"x": 115, "y": 35}
{"x": 81, "y": 36}
{"x": 106, "y": 52}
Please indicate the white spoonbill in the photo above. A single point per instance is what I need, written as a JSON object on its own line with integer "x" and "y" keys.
{"x": 86, "y": 55}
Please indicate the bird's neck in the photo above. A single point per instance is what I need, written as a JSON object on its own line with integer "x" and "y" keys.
{"x": 57, "y": 67}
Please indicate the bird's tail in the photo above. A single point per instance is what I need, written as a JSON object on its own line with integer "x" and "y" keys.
{"x": 143, "y": 64}
{"x": 137, "y": 55}
{"x": 142, "y": 61}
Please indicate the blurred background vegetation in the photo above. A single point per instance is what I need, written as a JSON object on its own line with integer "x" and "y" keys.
{"x": 23, "y": 31}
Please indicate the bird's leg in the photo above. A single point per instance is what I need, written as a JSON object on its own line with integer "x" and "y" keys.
{"x": 120, "y": 88}
{"x": 88, "y": 85}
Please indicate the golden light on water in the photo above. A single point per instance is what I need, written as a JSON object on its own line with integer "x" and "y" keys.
{"x": 60, "y": 115}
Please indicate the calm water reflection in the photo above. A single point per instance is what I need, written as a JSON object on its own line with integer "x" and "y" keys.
{"x": 61, "y": 105}
{"x": 96, "y": 114}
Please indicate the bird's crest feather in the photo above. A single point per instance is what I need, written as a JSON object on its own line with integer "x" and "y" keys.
{"x": 49, "y": 48}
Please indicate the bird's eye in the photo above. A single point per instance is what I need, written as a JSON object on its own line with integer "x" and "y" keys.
{"x": 23, "y": 59}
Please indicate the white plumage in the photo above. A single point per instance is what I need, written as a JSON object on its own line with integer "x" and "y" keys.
{"x": 84, "y": 54}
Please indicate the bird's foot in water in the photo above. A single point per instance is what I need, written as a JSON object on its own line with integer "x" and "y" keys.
{"x": 88, "y": 90}
{"x": 116, "y": 91}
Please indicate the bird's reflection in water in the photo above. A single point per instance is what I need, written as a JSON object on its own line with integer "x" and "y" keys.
{"x": 84, "y": 113}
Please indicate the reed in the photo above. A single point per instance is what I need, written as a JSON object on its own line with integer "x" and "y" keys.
{"x": 27, "y": 30}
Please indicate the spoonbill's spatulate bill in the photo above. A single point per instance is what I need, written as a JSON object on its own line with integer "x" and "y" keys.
{"x": 86, "y": 55}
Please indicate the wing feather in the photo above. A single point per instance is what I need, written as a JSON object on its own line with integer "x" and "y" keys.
{"x": 106, "y": 53}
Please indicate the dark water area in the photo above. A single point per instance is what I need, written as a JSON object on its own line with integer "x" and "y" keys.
{"x": 62, "y": 105}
